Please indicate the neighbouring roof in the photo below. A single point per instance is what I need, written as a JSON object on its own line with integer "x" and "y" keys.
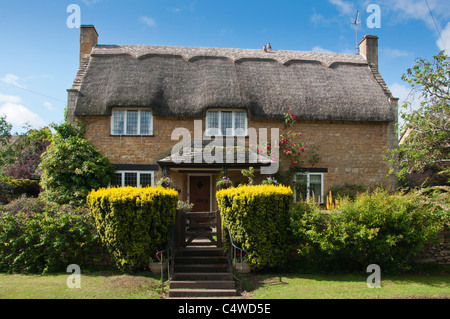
{"x": 186, "y": 81}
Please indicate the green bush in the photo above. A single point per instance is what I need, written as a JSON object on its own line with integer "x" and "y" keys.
{"x": 258, "y": 219}
{"x": 37, "y": 237}
{"x": 11, "y": 188}
{"x": 134, "y": 222}
{"x": 347, "y": 190}
{"x": 376, "y": 228}
{"x": 72, "y": 167}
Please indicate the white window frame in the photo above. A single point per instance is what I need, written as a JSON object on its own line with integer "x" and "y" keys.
{"x": 308, "y": 190}
{"x": 138, "y": 173}
{"x": 233, "y": 112}
{"x": 125, "y": 122}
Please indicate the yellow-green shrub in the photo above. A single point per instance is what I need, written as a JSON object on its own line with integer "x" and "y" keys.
{"x": 258, "y": 219}
{"x": 133, "y": 222}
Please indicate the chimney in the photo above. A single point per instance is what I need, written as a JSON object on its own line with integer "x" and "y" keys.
{"x": 88, "y": 39}
{"x": 368, "y": 48}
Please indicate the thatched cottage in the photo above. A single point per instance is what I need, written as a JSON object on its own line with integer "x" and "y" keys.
{"x": 133, "y": 97}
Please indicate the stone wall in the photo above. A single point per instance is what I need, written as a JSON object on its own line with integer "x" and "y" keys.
{"x": 352, "y": 152}
{"x": 439, "y": 252}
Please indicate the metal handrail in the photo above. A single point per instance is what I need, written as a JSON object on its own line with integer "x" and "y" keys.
{"x": 232, "y": 255}
{"x": 170, "y": 252}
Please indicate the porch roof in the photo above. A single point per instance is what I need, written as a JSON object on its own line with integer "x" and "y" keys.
{"x": 214, "y": 154}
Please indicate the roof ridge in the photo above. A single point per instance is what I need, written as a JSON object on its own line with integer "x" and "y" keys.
{"x": 139, "y": 51}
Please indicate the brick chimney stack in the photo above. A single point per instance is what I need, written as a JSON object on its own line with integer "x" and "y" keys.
{"x": 368, "y": 48}
{"x": 88, "y": 39}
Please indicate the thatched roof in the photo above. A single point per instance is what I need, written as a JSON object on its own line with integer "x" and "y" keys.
{"x": 184, "y": 81}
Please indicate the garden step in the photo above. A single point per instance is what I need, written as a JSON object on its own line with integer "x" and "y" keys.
{"x": 203, "y": 284}
{"x": 201, "y": 260}
{"x": 187, "y": 276}
{"x": 202, "y": 292}
{"x": 200, "y": 251}
{"x": 196, "y": 268}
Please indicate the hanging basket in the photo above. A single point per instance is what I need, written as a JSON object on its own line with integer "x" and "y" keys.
{"x": 242, "y": 267}
{"x": 155, "y": 267}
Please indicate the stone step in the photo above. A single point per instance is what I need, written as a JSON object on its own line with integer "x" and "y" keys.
{"x": 188, "y": 276}
{"x": 203, "y": 284}
{"x": 200, "y": 251}
{"x": 201, "y": 292}
{"x": 201, "y": 260}
{"x": 196, "y": 268}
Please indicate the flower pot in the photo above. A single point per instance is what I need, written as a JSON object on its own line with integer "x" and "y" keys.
{"x": 155, "y": 267}
{"x": 242, "y": 267}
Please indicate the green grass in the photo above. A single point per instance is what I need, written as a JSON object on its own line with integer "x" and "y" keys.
{"x": 346, "y": 287}
{"x": 112, "y": 285}
{"x": 97, "y": 285}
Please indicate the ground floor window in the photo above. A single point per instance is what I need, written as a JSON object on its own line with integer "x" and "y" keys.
{"x": 133, "y": 178}
{"x": 308, "y": 185}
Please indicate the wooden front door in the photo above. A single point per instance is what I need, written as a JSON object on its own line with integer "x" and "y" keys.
{"x": 200, "y": 193}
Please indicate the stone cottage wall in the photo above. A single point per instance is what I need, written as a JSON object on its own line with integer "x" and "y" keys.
{"x": 353, "y": 152}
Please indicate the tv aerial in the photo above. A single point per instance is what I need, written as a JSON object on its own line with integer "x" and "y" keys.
{"x": 355, "y": 23}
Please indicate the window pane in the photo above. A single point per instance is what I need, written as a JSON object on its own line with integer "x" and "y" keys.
{"x": 132, "y": 122}
{"x": 239, "y": 123}
{"x": 301, "y": 187}
{"x": 117, "y": 181}
{"x": 146, "y": 179}
{"x": 118, "y": 122}
{"x": 212, "y": 123}
{"x": 227, "y": 123}
{"x": 146, "y": 122}
{"x": 131, "y": 179}
{"x": 315, "y": 184}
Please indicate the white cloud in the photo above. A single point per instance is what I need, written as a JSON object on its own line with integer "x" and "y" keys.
{"x": 318, "y": 48}
{"x": 49, "y": 106}
{"x": 13, "y": 80}
{"x": 344, "y": 8}
{"x": 405, "y": 94}
{"x": 446, "y": 37}
{"x": 17, "y": 114}
{"x": 394, "y": 53}
{"x": 148, "y": 21}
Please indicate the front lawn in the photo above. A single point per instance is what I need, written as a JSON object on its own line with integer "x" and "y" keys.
{"x": 97, "y": 285}
{"x": 350, "y": 286}
{"x": 112, "y": 285}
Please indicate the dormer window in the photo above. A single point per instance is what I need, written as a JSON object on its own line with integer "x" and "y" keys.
{"x": 131, "y": 122}
{"x": 226, "y": 123}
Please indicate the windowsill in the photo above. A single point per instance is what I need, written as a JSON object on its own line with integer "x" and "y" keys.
{"x": 125, "y": 135}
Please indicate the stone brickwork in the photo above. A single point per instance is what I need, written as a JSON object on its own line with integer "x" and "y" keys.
{"x": 353, "y": 152}
{"x": 439, "y": 252}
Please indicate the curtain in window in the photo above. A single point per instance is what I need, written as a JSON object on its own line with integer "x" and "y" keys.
{"x": 227, "y": 123}
{"x": 118, "y": 122}
{"x": 212, "y": 123}
{"x": 239, "y": 123}
{"x": 315, "y": 184}
{"x": 132, "y": 122}
{"x": 146, "y": 123}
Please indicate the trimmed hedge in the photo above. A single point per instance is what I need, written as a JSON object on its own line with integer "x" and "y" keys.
{"x": 133, "y": 222}
{"x": 258, "y": 219}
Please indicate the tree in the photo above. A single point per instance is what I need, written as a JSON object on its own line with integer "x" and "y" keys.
{"x": 72, "y": 167}
{"x": 21, "y": 156}
{"x": 426, "y": 131}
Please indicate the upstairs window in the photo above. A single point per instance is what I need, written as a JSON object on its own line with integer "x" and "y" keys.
{"x": 131, "y": 122}
{"x": 226, "y": 123}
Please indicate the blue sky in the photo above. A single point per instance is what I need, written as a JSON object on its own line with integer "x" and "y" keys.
{"x": 39, "y": 53}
